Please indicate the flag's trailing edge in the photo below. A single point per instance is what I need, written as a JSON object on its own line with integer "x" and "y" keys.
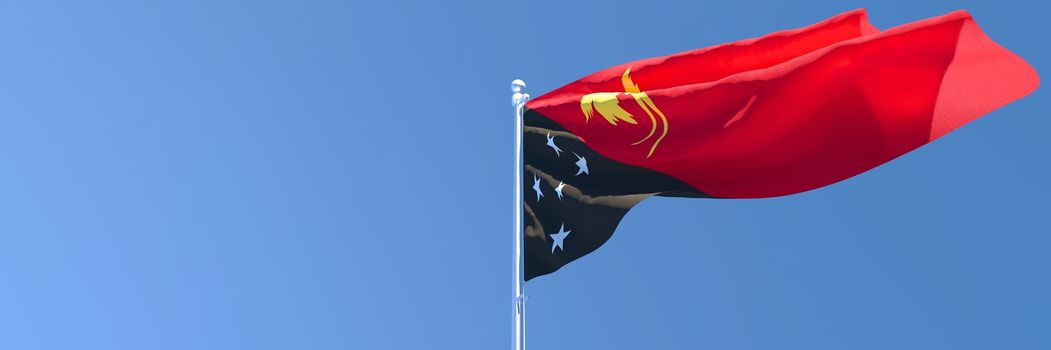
{"x": 781, "y": 114}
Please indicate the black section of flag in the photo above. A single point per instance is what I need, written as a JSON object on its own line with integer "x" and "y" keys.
{"x": 588, "y": 205}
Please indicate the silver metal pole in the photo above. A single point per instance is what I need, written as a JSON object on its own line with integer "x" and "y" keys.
{"x": 518, "y": 100}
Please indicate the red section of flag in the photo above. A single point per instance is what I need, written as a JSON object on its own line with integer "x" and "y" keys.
{"x": 794, "y": 110}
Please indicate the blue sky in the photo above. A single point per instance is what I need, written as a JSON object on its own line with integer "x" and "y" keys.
{"x": 337, "y": 175}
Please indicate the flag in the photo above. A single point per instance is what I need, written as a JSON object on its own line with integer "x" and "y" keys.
{"x": 781, "y": 114}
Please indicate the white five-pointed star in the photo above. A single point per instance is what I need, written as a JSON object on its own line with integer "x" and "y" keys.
{"x": 558, "y": 190}
{"x": 558, "y": 238}
{"x": 551, "y": 143}
{"x": 536, "y": 187}
{"x": 582, "y": 164}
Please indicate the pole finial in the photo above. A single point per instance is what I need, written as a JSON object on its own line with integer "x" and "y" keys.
{"x": 519, "y": 98}
{"x": 517, "y": 85}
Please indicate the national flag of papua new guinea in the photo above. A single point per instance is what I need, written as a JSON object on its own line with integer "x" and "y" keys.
{"x": 785, "y": 113}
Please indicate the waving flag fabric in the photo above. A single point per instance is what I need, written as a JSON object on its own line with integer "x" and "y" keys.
{"x": 785, "y": 113}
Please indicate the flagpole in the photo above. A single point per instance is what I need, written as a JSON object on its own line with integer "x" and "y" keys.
{"x": 518, "y": 100}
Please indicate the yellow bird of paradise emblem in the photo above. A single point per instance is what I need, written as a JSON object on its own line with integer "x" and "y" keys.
{"x": 607, "y": 105}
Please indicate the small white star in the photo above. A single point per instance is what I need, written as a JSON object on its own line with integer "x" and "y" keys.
{"x": 558, "y": 238}
{"x": 536, "y": 187}
{"x": 558, "y": 190}
{"x": 582, "y": 164}
{"x": 551, "y": 143}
